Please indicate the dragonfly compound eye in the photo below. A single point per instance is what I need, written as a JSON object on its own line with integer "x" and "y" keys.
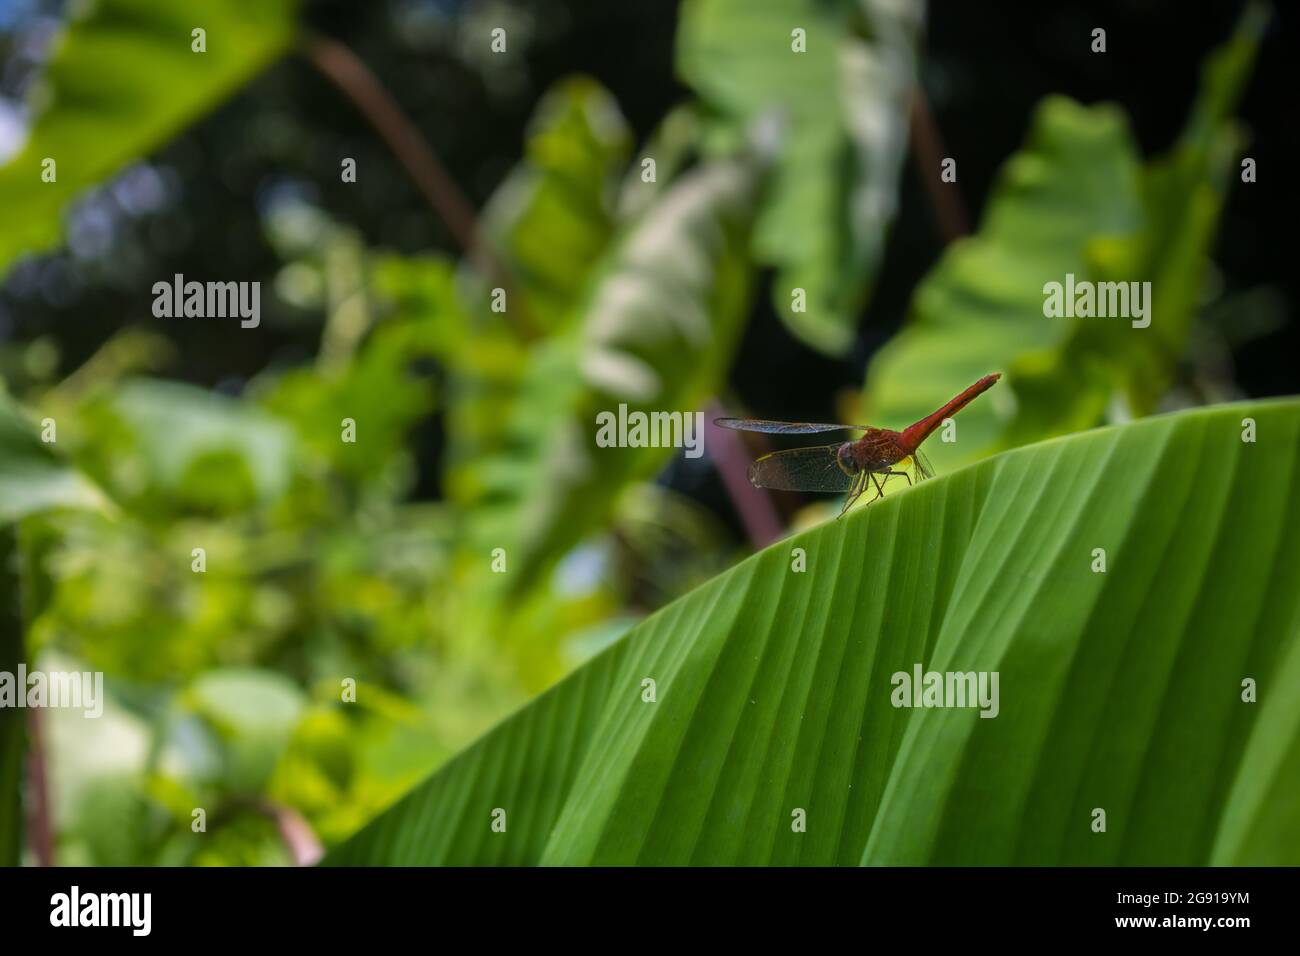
{"x": 845, "y": 458}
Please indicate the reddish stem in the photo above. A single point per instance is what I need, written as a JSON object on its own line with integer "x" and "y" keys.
{"x": 39, "y": 832}
{"x": 347, "y": 72}
{"x": 928, "y": 153}
{"x": 295, "y": 832}
{"x": 757, "y": 513}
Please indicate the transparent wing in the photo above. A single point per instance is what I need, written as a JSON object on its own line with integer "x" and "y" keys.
{"x": 782, "y": 428}
{"x": 923, "y": 467}
{"x": 801, "y": 469}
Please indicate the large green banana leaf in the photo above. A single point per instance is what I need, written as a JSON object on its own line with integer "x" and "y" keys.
{"x": 1160, "y": 690}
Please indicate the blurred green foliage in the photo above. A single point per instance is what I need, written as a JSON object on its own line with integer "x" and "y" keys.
{"x": 327, "y": 561}
{"x": 835, "y": 81}
{"x": 1076, "y": 199}
{"x": 124, "y": 80}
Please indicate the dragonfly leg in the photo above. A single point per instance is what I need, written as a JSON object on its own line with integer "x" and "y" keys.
{"x": 859, "y": 484}
{"x": 890, "y": 471}
{"x": 880, "y": 488}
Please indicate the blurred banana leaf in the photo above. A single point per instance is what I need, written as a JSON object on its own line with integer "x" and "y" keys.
{"x": 550, "y": 223}
{"x": 1077, "y": 200}
{"x": 123, "y": 81}
{"x": 553, "y": 225}
{"x": 1183, "y": 195}
{"x": 656, "y": 332}
{"x": 1128, "y": 688}
{"x": 842, "y": 108}
{"x": 672, "y": 144}
{"x": 553, "y": 216}
{"x": 642, "y": 307}
{"x": 1075, "y": 179}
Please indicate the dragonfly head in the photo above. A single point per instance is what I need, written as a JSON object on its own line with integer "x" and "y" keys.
{"x": 847, "y": 461}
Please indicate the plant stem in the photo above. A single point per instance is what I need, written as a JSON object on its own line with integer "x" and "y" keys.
{"x": 40, "y": 835}
{"x": 346, "y": 71}
{"x": 295, "y": 832}
{"x": 928, "y": 153}
{"x": 12, "y": 733}
{"x": 757, "y": 513}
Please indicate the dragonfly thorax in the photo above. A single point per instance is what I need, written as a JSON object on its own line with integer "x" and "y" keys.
{"x": 877, "y": 450}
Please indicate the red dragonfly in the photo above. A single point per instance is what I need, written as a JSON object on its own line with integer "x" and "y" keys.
{"x": 849, "y": 466}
